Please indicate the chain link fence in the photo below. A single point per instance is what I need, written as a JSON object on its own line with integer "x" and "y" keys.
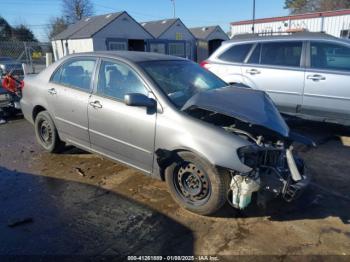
{"x": 32, "y": 54}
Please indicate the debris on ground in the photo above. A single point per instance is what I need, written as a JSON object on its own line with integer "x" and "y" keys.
{"x": 79, "y": 171}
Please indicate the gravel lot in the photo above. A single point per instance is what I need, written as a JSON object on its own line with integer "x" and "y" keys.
{"x": 79, "y": 203}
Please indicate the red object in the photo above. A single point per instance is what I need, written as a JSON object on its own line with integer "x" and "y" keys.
{"x": 12, "y": 84}
{"x": 205, "y": 64}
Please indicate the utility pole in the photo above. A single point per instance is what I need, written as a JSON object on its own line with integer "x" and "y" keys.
{"x": 174, "y": 8}
{"x": 253, "y": 26}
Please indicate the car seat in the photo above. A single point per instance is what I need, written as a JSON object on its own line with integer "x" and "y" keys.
{"x": 73, "y": 75}
{"x": 114, "y": 83}
{"x": 319, "y": 60}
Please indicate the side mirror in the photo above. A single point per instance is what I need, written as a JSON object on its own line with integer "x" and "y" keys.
{"x": 141, "y": 100}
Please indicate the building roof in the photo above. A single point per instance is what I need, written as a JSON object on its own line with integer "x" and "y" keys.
{"x": 87, "y": 27}
{"x": 157, "y": 28}
{"x": 294, "y": 17}
{"x": 203, "y": 32}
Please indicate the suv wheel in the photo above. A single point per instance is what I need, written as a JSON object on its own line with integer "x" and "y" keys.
{"x": 196, "y": 185}
{"x": 46, "y": 133}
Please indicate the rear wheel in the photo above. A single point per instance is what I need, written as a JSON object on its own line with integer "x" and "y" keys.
{"x": 196, "y": 185}
{"x": 46, "y": 133}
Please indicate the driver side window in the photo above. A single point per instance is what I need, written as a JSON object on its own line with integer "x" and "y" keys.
{"x": 330, "y": 56}
{"x": 115, "y": 80}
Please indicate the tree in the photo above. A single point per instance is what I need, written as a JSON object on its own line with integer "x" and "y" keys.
{"x": 305, "y": 6}
{"x": 75, "y": 10}
{"x": 23, "y": 33}
{"x": 56, "y": 26}
{"x": 5, "y": 30}
{"x": 334, "y": 5}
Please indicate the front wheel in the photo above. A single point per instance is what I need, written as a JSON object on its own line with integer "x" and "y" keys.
{"x": 46, "y": 133}
{"x": 196, "y": 185}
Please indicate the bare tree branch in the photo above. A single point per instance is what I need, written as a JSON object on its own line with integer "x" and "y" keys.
{"x": 75, "y": 10}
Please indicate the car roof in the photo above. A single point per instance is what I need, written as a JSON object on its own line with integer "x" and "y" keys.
{"x": 295, "y": 36}
{"x": 132, "y": 56}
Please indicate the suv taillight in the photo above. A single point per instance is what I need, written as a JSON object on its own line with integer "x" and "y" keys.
{"x": 205, "y": 64}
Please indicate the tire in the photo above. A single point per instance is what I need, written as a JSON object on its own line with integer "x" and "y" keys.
{"x": 46, "y": 133}
{"x": 196, "y": 185}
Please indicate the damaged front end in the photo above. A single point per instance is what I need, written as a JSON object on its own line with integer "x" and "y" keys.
{"x": 275, "y": 172}
{"x": 275, "y": 169}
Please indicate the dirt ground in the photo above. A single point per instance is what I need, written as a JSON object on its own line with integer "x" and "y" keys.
{"x": 79, "y": 203}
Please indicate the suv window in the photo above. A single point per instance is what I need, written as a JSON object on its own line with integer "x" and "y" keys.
{"x": 236, "y": 53}
{"x": 77, "y": 73}
{"x": 255, "y": 56}
{"x": 330, "y": 56}
{"x": 278, "y": 53}
{"x": 115, "y": 80}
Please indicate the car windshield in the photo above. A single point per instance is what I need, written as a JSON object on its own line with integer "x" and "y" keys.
{"x": 182, "y": 79}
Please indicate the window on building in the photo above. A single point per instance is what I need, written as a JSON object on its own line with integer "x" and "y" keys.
{"x": 345, "y": 33}
{"x": 115, "y": 80}
{"x": 116, "y": 46}
{"x": 157, "y": 48}
{"x": 77, "y": 73}
{"x": 330, "y": 56}
{"x": 236, "y": 53}
{"x": 177, "y": 49}
{"x": 281, "y": 53}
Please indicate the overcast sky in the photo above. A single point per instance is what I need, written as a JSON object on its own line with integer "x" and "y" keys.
{"x": 36, "y": 13}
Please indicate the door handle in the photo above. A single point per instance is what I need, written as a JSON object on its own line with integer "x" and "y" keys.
{"x": 52, "y": 91}
{"x": 253, "y": 71}
{"x": 316, "y": 77}
{"x": 96, "y": 104}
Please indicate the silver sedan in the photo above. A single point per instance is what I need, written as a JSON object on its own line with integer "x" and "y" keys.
{"x": 171, "y": 119}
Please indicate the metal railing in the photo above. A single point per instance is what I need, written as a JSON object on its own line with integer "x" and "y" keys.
{"x": 32, "y": 54}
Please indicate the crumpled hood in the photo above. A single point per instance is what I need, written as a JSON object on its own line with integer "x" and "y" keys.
{"x": 245, "y": 104}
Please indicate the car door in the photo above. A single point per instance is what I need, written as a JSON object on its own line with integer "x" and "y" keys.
{"x": 277, "y": 68}
{"x": 68, "y": 94}
{"x": 122, "y": 132}
{"x": 327, "y": 90}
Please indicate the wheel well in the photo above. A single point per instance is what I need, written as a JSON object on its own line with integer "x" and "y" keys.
{"x": 37, "y": 110}
{"x": 165, "y": 158}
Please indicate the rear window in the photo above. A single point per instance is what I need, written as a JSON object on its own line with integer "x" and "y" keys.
{"x": 236, "y": 53}
{"x": 76, "y": 73}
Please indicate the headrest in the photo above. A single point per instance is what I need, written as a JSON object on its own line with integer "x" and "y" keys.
{"x": 73, "y": 70}
{"x": 113, "y": 76}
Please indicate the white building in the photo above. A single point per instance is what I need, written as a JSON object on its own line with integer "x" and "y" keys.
{"x": 336, "y": 23}
{"x": 116, "y": 31}
{"x": 171, "y": 37}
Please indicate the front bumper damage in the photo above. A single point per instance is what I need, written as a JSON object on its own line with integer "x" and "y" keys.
{"x": 279, "y": 174}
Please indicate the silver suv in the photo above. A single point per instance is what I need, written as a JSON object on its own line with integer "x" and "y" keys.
{"x": 305, "y": 74}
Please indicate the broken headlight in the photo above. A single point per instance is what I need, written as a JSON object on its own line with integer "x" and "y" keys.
{"x": 255, "y": 156}
{"x": 250, "y": 155}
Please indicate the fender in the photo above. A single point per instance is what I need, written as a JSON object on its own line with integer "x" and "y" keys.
{"x": 207, "y": 141}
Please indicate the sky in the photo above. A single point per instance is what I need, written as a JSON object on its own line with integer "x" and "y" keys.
{"x": 37, "y": 13}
